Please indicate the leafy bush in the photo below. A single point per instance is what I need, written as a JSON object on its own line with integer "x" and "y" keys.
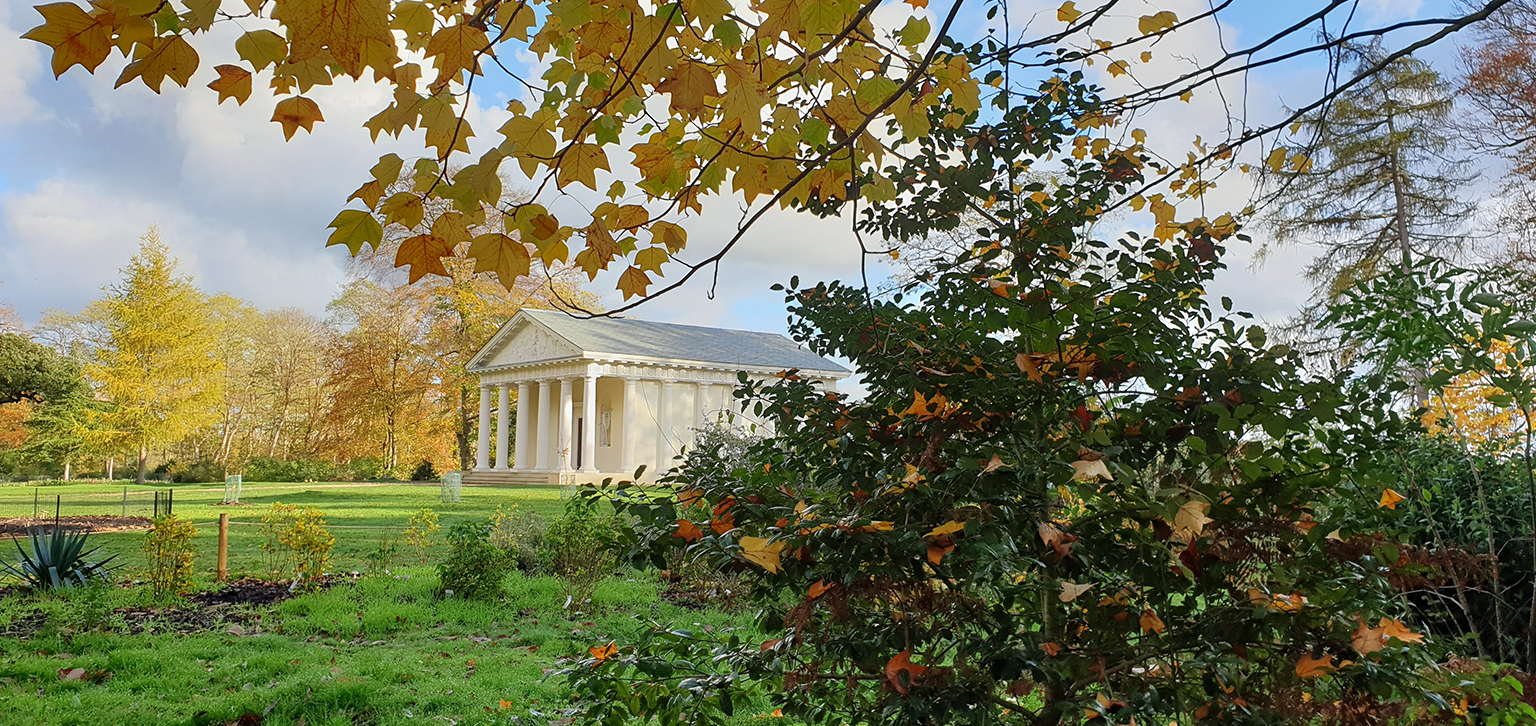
{"x": 424, "y": 471}
{"x": 419, "y": 530}
{"x": 198, "y": 472}
{"x": 58, "y": 560}
{"x": 309, "y": 543}
{"x": 474, "y": 568}
{"x": 520, "y": 534}
{"x": 168, "y": 547}
{"x": 578, "y": 550}
{"x": 296, "y": 470}
{"x": 383, "y": 555}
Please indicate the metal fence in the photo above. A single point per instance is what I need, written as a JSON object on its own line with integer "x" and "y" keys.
{"x": 128, "y": 503}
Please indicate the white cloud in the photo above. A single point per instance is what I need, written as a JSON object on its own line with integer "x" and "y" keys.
{"x": 20, "y": 62}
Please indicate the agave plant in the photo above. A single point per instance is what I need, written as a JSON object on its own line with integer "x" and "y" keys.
{"x": 58, "y": 559}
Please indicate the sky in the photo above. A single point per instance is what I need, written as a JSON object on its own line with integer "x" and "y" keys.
{"x": 85, "y": 170}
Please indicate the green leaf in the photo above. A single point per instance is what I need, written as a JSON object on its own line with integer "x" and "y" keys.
{"x": 355, "y": 227}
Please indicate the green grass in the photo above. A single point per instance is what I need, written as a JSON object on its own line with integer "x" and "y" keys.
{"x": 359, "y": 515}
{"x": 380, "y": 651}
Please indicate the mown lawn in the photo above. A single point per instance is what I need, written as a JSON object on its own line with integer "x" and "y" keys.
{"x": 377, "y": 648}
{"x": 359, "y": 515}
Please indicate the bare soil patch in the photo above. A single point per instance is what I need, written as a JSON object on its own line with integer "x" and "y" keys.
{"x": 20, "y": 526}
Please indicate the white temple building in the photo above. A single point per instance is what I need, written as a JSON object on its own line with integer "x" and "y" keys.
{"x": 597, "y": 398}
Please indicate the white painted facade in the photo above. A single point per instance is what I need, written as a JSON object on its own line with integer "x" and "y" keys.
{"x": 596, "y": 414}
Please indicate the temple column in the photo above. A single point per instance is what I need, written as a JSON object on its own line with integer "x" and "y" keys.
{"x": 567, "y": 387}
{"x": 664, "y": 417}
{"x": 704, "y": 390}
{"x": 627, "y": 432}
{"x": 522, "y": 455}
{"x": 483, "y": 454}
{"x": 546, "y": 443}
{"x": 589, "y": 423}
{"x": 503, "y": 420}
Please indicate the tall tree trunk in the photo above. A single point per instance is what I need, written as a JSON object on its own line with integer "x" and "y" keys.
{"x": 66, "y": 470}
{"x": 143, "y": 462}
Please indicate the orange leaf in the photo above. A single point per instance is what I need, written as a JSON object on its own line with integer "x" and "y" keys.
{"x": 1389, "y": 499}
{"x": 1026, "y": 364}
{"x": 899, "y": 664}
{"x": 759, "y": 551}
{"x": 690, "y": 497}
{"x": 769, "y": 645}
{"x": 1395, "y": 629}
{"x": 937, "y": 551}
{"x": 603, "y": 653}
{"x": 688, "y": 530}
{"x": 819, "y": 588}
{"x": 1314, "y": 667}
{"x": 1151, "y": 623}
{"x": 993, "y": 465}
{"x": 1366, "y": 640}
{"x": 1051, "y": 648}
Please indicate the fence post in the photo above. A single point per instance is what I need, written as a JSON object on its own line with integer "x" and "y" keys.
{"x": 125, "y": 501}
{"x": 58, "y": 504}
{"x": 34, "y": 502}
{"x": 170, "y": 501}
{"x": 223, "y": 546}
{"x": 156, "y": 515}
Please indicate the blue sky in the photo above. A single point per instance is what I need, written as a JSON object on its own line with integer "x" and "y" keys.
{"x": 84, "y": 170}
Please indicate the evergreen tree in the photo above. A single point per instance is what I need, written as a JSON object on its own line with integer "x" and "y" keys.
{"x": 160, "y": 367}
{"x": 1381, "y": 186}
{"x": 66, "y": 431}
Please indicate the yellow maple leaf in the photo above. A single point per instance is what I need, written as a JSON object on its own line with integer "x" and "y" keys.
{"x": 354, "y": 33}
{"x": 354, "y": 228}
{"x": 296, "y": 112}
{"x": 633, "y": 282}
{"x": 581, "y": 163}
{"x": 946, "y": 528}
{"x": 233, "y": 82}
{"x": 1068, "y": 12}
{"x": 1119, "y": 68}
{"x": 669, "y": 235}
{"x": 689, "y": 85}
{"x": 1390, "y": 498}
{"x": 169, "y": 56}
{"x": 1157, "y": 22}
{"x": 261, "y": 48}
{"x": 453, "y": 49}
{"x": 1191, "y": 519}
{"x": 424, "y": 254}
{"x": 502, "y": 254}
{"x": 759, "y": 551}
{"x": 76, "y": 37}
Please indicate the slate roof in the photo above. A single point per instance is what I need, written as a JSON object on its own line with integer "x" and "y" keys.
{"x": 629, "y": 337}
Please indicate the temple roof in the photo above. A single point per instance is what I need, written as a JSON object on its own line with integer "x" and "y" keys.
{"x": 646, "y": 340}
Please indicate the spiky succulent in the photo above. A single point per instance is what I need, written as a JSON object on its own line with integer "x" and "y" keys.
{"x": 58, "y": 560}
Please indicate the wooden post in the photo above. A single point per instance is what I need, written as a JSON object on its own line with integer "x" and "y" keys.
{"x": 223, "y": 546}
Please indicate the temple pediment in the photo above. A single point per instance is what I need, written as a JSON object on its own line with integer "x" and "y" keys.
{"x": 527, "y": 341}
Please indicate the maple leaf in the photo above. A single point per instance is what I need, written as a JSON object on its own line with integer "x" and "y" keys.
{"x": 945, "y": 529}
{"x": 690, "y": 84}
{"x": 453, "y": 49}
{"x": 1026, "y": 364}
{"x": 1051, "y": 648}
{"x": 261, "y": 48}
{"x": 602, "y": 244}
{"x": 1191, "y": 519}
{"x": 669, "y": 235}
{"x": 1056, "y": 539}
{"x": 233, "y": 82}
{"x": 603, "y": 652}
{"x": 995, "y": 463}
{"x": 369, "y": 193}
{"x": 354, "y": 228}
{"x": 819, "y": 588}
{"x": 1396, "y": 629}
{"x": 1068, "y": 12}
{"x": 1090, "y": 470}
{"x": 1366, "y": 640}
{"x": 1071, "y": 591}
{"x": 759, "y": 551}
{"x": 1156, "y": 23}
{"x": 1151, "y": 623}
{"x": 168, "y": 56}
{"x": 424, "y": 253}
{"x": 688, "y": 531}
{"x": 939, "y": 549}
{"x": 76, "y": 37}
{"x": 651, "y": 259}
{"x": 633, "y": 282}
{"x": 1311, "y": 666}
{"x": 900, "y": 671}
{"x": 581, "y": 164}
{"x": 1390, "y": 498}
{"x": 502, "y": 254}
{"x": 404, "y": 209}
{"x": 690, "y": 497}
{"x": 294, "y": 112}
{"x": 354, "y": 33}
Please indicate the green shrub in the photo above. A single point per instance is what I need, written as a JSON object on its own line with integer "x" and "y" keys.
{"x": 58, "y": 560}
{"x": 474, "y": 569}
{"x": 519, "y": 533}
{"x": 297, "y": 470}
{"x": 578, "y": 550}
{"x": 383, "y": 555}
{"x": 310, "y": 544}
{"x": 198, "y": 472}
{"x": 424, "y": 471}
{"x": 169, "y": 549}
{"x": 419, "y": 530}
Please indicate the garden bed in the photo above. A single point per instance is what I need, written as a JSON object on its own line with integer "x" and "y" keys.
{"x": 21, "y": 526}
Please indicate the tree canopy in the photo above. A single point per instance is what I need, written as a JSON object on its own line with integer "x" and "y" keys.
{"x": 34, "y": 372}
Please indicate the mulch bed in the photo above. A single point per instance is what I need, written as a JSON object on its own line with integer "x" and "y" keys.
{"x": 237, "y": 608}
{"x": 22, "y": 526}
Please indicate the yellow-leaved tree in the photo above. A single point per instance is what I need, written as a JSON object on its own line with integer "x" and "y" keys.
{"x": 161, "y": 362}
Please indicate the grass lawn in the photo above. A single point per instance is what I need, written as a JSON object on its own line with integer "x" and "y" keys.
{"x": 358, "y": 515}
{"x": 377, "y": 649}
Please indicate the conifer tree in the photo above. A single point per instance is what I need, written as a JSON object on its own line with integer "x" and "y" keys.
{"x": 161, "y": 364}
{"x": 1378, "y": 183}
